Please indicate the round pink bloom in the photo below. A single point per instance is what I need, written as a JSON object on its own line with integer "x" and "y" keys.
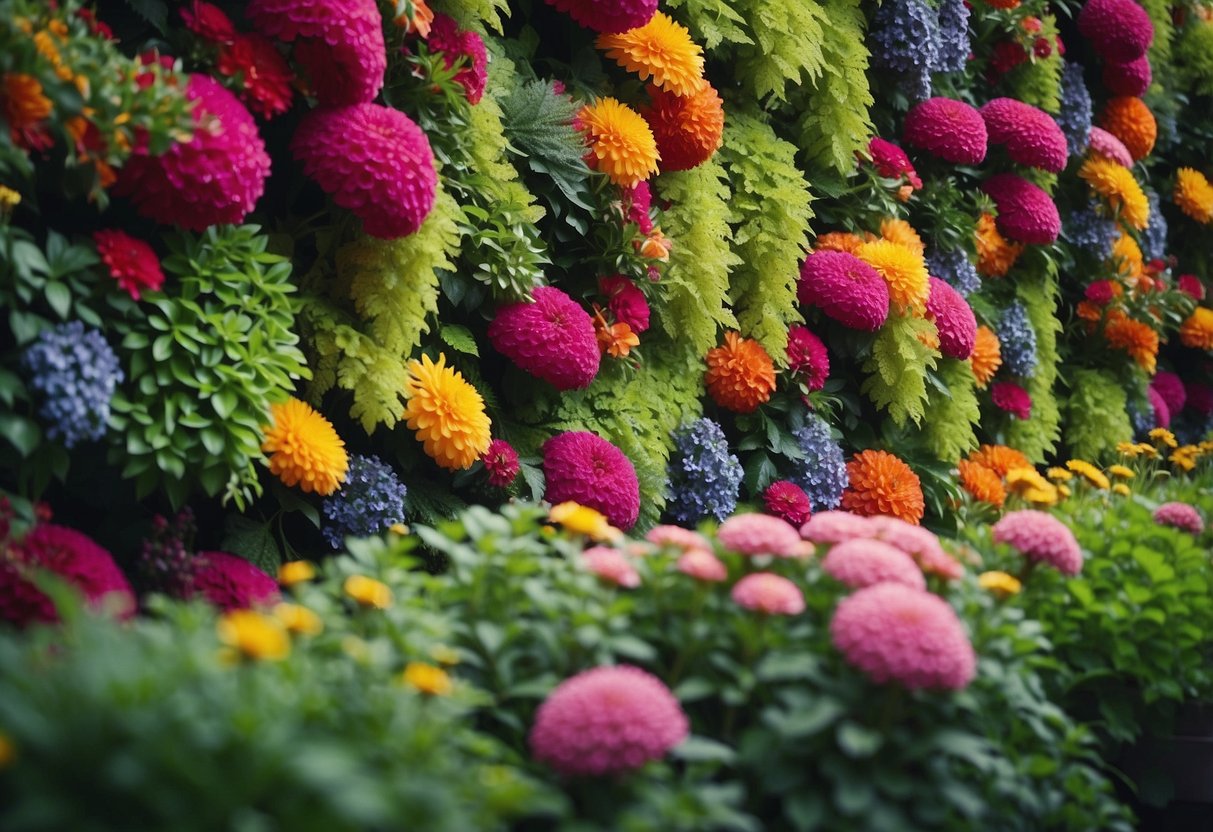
{"x": 551, "y": 338}
{"x": 893, "y": 633}
{"x": 953, "y": 318}
{"x": 836, "y": 527}
{"x": 768, "y": 593}
{"x": 1012, "y": 398}
{"x": 1129, "y": 79}
{"x": 891, "y": 161}
{"x": 808, "y": 357}
{"x": 1181, "y": 516}
{"x": 787, "y": 501}
{"x": 1119, "y": 30}
{"x": 214, "y": 179}
{"x": 702, "y": 565}
{"x": 1190, "y": 284}
{"x": 208, "y": 22}
{"x": 1103, "y": 143}
{"x": 1025, "y": 212}
{"x": 950, "y": 129}
{"x": 639, "y": 200}
{"x": 1030, "y": 135}
{"x": 373, "y": 161}
{"x": 71, "y": 556}
{"x": 501, "y": 462}
{"x": 129, "y": 260}
{"x": 608, "y": 17}
{"x": 1100, "y": 292}
{"x": 585, "y": 468}
{"x": 1199, "y": 397}
{"x": 677, "y": 536}
{"x": 1040, "y": 537}
{"x": 845, "y": 288}
{"x": 231, "y": 582}
{"x": 612, "y": 566}
{"x": 447, "y": 38}
{"x": 626, "y": 302}
{"x": 1171, "y": 388}
{"x": 759, "y": 534}
{"x": 1162, "y": 413}
{"x": 919, "y": 543}
{"x": 860, "y": 563}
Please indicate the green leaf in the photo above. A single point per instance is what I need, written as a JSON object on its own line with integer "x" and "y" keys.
{"x": 154, "y": 12}
{"x": 252, "y": 541}
{"x": 459, "y": 338}
{"x": 24, "y": 434}
{"x": 695, "y": 749}
{"x": 858, "y": 741}
{"x": 59, "y": 296}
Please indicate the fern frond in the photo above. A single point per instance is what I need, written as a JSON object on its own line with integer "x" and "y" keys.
{"x": 475, "y": 14}
{"x": 897, "y": 368}
{"x": 949, "y": 420}
{"x": 712, "y": 22}
{"x": 1096, "y": 414}
{"x": 1038, "y": 436}
{"x": 787, "y": 48}
{"x": 539, "y": 126}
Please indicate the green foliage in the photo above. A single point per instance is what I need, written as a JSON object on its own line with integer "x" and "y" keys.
{"x": 475, "y": 14}
{"x": 205, "y": 364}
{"x": 1096, "y": 418}
{"x": 1037, "y": 81}
{"x": 1037, "y": 436}
{"x": 897, "y": 368}
{"x": 770, "y": 218}
{"x": 712, "y": 22}
{"x": 951, "y": 416}
{"x": 1164, "y": 35}
{"x": 1194, "y": 57}
{"x": 787, "y": 45}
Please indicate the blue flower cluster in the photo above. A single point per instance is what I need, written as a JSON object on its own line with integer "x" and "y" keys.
{"x": 822, "y": 473}
{"x": 1075, "y": 116}
{"x": 953, "y": 50}
{"x": 905, "y": 35}
{"x": 1018, "y": 340}
{"x": 1154, "y": 239}
{"x": 370, "y": 500}
{"x": 1141, "y": 416}
{"x": 1091, "y": 231}
{"x": 704, "y": 477}
{"x": 954, "y": 268}
{"x": 75, "y": 373}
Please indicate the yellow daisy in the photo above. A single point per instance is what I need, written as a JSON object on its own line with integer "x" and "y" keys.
{"x": 446, "y": 413}
{"x": 1089, "y": 472}
{"x": 1059, "y": 474}
{"x": 999, "y": 584}
{"x": 1194, "y": 195}
{"x": 254, "y": 635}
{"x": 1122, "y": 472}
{"x": 903, "y": 269}
{"x": 1115, "y": 183}
{"x": 1164, "y": 436}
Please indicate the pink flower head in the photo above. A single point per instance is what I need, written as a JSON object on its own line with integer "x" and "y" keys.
{"x": 1025, "y": 212}
{"x": 447, "y": 38}
{"x": 1199, "y": 397}
{"x": 551, "y": 338}
{"x": 836, "y": 527}
{"x": 891, "y": 161}
{"x": 677, "y": 536}
{"x": 1040, "y": 537}
{"x": 608, "y": 17}
{"x": 607, "y": 720}
{"x": 953, "y": 319}
{"x": 947, "y": 128}
{"x": 267, "y": 82}
{"x": 702, "y": 565}
{"x": 1104, "y": 144}
{"x": 894, "y": 633}
{"x": 787, "y": 501}
{"x": 759, "y": 534}
{"x": 626, "y": 301}
{"x": 130, "y": 261}
{"x": 1131, "y": 78}
{"x": 638, "y": 201}
{"x": 1119, "y": 30}
{"x": 919, "y": 543}
{"x": 845, "y": 288}
{"x": 1030, "y": 135}
{"x": 1171, "y": 388}
{"x": 807, "y": 357}
{"x": 373, "y": 161}
{"x": 208, "y": 22}
{"x": 1012, "y": 398}
{"x": 214, "y": 179}
{"x": 1191, "y": 285}
{"x": 501, "y": 462}
{"x": 230, "y": 582}
{"x": 860, "y": 563}
{"x": 1100, "y": 292}
{"x": 1181, "y": 516}
{"x": 585, "y": 468}
{"x": 768, "y": 593}
{"x": 1162, "y": 413}
{"x": 612, "y": 566}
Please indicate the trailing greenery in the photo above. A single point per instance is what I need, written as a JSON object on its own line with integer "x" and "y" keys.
{"x": 897, "y": 368}
{"x": 1194, "y": 57}
{"x": 1037, "y": 81}
{"x": 712, "y": 22}
{"x": 1037, "y": 436}
{"x": 950, "y": 419}
{"x": 1096, "y": 418}
{"x": 786, "y": 48}
{"x": 475, "y": 14}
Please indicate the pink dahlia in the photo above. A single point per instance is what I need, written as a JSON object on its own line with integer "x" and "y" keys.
{"x": 808, "y": 357}
{"x": 768, "y": 593}
{"x": 891, "y": 161}
{"x": 1104, "y": 144}
{"x": 446, "y": 37}
{"x": 1025, "y": 212}
{"x": 1040, "y": 537}
{"x": 501, "y": 462}
{"x": 1100, "y": 292}
{"x": 787, "y": 501}
{"x": 612, "y": 566}
{"x": 130, "y": 261}
{"x": 1171, "y": 388}
{"x": 1181, "y": 516}
{"x": 71, "y": 556}
{"x": 919, "y": 543}
{"x": 1131, "y": 78}
{"x": 1010, "y": 397}
{"x": 860, "y": 563}
{"x": 1191, "y": 285}
{"x": 949, "y": 129}
{"x": 625, "y": 300}
{"x": 208, "y": 22}
{"x": 1119, "y": 30}
{"x": 677, "y": 536}
{"x": 214, "y": 179}
{"x": 836, "y": 527}
{"x": 759, "y": 534}
{"x": 1162, "y": 413}
{"x": 1199, "y": 397}
{"x": 702, "y": 565}
{"x": 638, "y": 201}
{"x": 953, "y": 318}
{"x": 1030, "y": 135}
{"x": 893, "y": 633}
{"x": 589, "y": 470}
{"x": 551, "y": 338}
{"x": 608, "y": 17}
{"x": 845, "y": 288}
{"x": 230, "y": 582}
{"x": 607, "y": 720}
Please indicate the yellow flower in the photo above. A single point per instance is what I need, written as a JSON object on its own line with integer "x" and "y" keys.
{"x": 1183, "y": 461}
{"x": 368, "y": 591}
{"x": 1115, "y": 183}
{"x": 1126, "y": 254}
{"x": 445, "y": 655}
{"x": 581, "y": 519}
{"x": 398, "y": 529}
{"x": 254, "y": 635}
{"x": 299, "y": 620}
{"x": 1121, "y": 489}
{"x": 1029, "y": 484}
{"x": 1147, "y": 450}
{"x": 1128, "y": 449}
{"x": 430, "y": 680}
{"x": 620, "y": 141}
{"x": 903, "y": 269}
{"x": 1122, "y": 472}
{"x": 999, "y": 584}
{"x": 1059, "y": 474}
{"x": 9, "y": 199}
{"x": 901, "y": 232}
{"x": 1194, "y": 195}
{"x": 8, "y": 751}
{"x": 661, "y": 49}
{"x": 1089, "y": 472}
{"x": 446, "y": 413}
{"x": 296, "y": 572}
{"x": 304, "y": 449}
{"x": 1164, "y": 436}
{"x": 1063, "y": 490}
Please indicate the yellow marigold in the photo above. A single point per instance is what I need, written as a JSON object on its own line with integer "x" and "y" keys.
{"x": 299, "y": 620}
{"x": 9, "y": 199}
{"x": 296, "y": 572}
{"x": 1197, "y": 330}
{"x": 1115, "y": 183}
{"x": 1063, "y": 490}
{"x": 1031, "y": 486}
{"x": 983, "y": 484}
{"x": 661, "y": 49}
{"x": 1136, "y": 338}
{"x": 986, "y": 357}
{"x": 1130, "y": 120}
{"x": 304, "y": 449}
{"x": 740, "y": 375}
{"x": 1126, "y": 253}
{"x": 581, "y": 519}
{"x": 620, "y": 141}
{"x": 883, "y": 484}
{"x": 1121, "y": 489}
{"x": 1121, "y": 471}
{"x": 1059, "y": 474}
{"x": 253, "y": 635}
{"x": 1088, "y": 472}
{"x": 368, "y": 591}
{"x": 901, "y": 232}
{"x": 446, "y": 413}
{"x": 999, "y": 584}
{"x": 428, "y": 679}
{"x": 903, "y": 269}
{"x": 995, "y": 253}
{"x": 1194, "y": 195}
{"x": 1000, "y": 459}
{"x": 1147, "y": 450}
{"x": 839, "y": 241}
{"x": 1128, "y": 449}
{"x": 1164, "y": 436}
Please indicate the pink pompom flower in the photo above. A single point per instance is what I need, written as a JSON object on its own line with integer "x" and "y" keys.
{"x": 702, "y": 565}
{"x": 626, "y": 301}
{"x": 768, "y": 593}
{"x": 1119, "y": 30}
{"x": 1162, "y": 413}
{"x": 1191, "y": 285}
{"x": 587, "y": 469}
{"x": 891, "y": 162}
{"x": 551, "y": 338}
{"x": 836, "y": 527}
{"x": 678, "y": 537}
{"x": 860, "y": 563}
{"x": 1025, "y": 212}
{"x": 455, "y": 43}
{"x": 759, "y": 534}
{"x": 1030, "y": 135}
{"x": 1131, "y": 78}
{"x": 608, "y": 17}
{"x": 1040, "y": 537}
{"x": 950, "y": 129}
{"x": 787, "y": 501}
{"x": 130, "y": 261}
{"x": 953, "y": 319}
{"x": 1171, "y": 388}
{"x": 1104, "y": 144}
{"x": 501, "y": 462}
{"x": 230, "y": 582}
{"x": 1180, "y": 516}
{"x": 807, "y": 357}
{"x": 845, "y": 288}
{"x": 612, "y": 566}
{"x": 1100, "y": 292}
{"x": 1010, "y": 397}
{"x": 919, "y": 543}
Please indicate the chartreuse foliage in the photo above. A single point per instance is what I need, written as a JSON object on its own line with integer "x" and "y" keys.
{"x": 786, "y": 48}
{"x": 1037, "y": 436}
{"x": 1194, "y": 56}
{"x": 897, "y": 368}
{"x": 712, "y": 22}
{"x": 1095, "y": 414}
{"x": 205, "y": 364}
{"x": 1038, "y": 81}
{"x": 475, "y": 14}
{"x": 951, "y": 417}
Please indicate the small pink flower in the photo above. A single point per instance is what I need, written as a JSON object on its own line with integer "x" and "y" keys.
{"x": 501, "y": 463}
{"x": 787, "y": 501}
{"x": 768, "y": 593}
{"x": 1181, "y": 516}
{"x": 677, "y": 536}
{"x": 836, "y": 527}
{"x": 919, "y": 543}
{"x": 759, "y": 534}
{"x": 702, "y": 565}
{"x": 860, "y": 563}
{"x": 1012, "y": 398}
{"x": 1040, "y": 537}
{"x": 612, "y": 566}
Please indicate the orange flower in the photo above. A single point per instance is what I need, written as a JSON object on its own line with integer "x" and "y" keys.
{"x": 616, "y": 340}
{"x": 882, "y": 484}
{"x": 662, "y": 49}
{"x": 740, "y": 374}
{"x": 999, "y": 458}
{"x": 656, "y": 246}
{"x": 1130, "y": 120}
{"x": 1115, "y": 183}
{"x": 1194, "y": 195}
{"x": 839, "y": 241}
{"x": 902, "y": 233}
{"x": 1136, "y": 338}
{"x": 620, "y": 141}
{"x": 982, "y": 483}
{"x": 415, "y": 16}
{"x": 24, "y": 107}
{"x": 903, "y": 269}
{"x": 1197, "y": 330}
{"x": 1128, "y": 253}
{"x": 1089, "y": 311}
{"x": 986, "y": 357}
{"x": 995, "y": 253}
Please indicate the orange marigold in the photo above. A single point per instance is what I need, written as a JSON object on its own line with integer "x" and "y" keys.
{"x": 1194, "y": 195}
{"x": 999, "y": 458}
{"x": 688, "y": 128}
{"x": 740, "y": 374}
{"x": 304, "y": 448}
{"x": 661, "y": 49}
{"x": 982, "y": 483}
{"x": 986, "y": 357}
{"x": 1136, "y": 338}
{"x": 903, "y": 269}
{"x": 24, "y": 106}
{"x": 1130, "y": 120}
{"x": 995, "y": 253}
{"x": 620, "y": 141}
{"x": 1127, "y": 253}
{"x": 1197, "y": 330}
{"x": 883, "y": 484}
{"x": 901, "y": 232}
{"x": 1115, "y": 183}
{"x": 839, "y": 241}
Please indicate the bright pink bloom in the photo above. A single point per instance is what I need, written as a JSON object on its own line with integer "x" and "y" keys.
{"x": 1030, "y": 135}
{"x": 845, "y": 288}
{"x": 768, "y": 593}
{"x": 608, "y": 17}
{"x": 1025, "y": 212}
{"x": 1108, "y": 146}
{"x": 638, "y": 201}
{"x": 759, "y": 534}
{"x": 677, "y": 536}
{"x": 807, "y": 357}
{"x": 501, "y": 462}
{"x": 1012, "y": 398}
{"x": 208, "y": 22}
{"x": 702, "y": 565}
{"x": 787, "y": 501}
{"x": 1119, "y": 30}
{"x": 447, "y": 38}
{"x": 1162, "y": 413}
{"x": 587, "y": 469}
{"x": 1171, "y": 388}
{"x": 1131, "y": 79}
{"x": 612, "y": 566}
{"x": 919, "y": 543}
{"x": 626, "y": 301}
{"x": 1100, "y": 292}
{"x": 950, "y": 129}
{"x": 953, "y": 319}
{"x": 1181, "y": 516}
{"x": 1190, "y": 284}
{"x": 230, "y": 582}
{"x": 1040, "y": 537}
{"x": 836, "y": 527}
{"x": 860, "y": 563}
{"x": 891, "y": 162}
{"x": 551, "y": 338}
{"x": 130, "y": 261}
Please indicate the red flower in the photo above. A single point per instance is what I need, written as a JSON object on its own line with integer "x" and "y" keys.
{"x": 208, "y": 22}
{"x": 891, "y": 161}
{"x": 130, "y": 261}
{"x": 501, "y": 463}
{"x": 265, "y": 77}
{"x": 626, "y": 302}
{"x": 1012, "y": 398}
